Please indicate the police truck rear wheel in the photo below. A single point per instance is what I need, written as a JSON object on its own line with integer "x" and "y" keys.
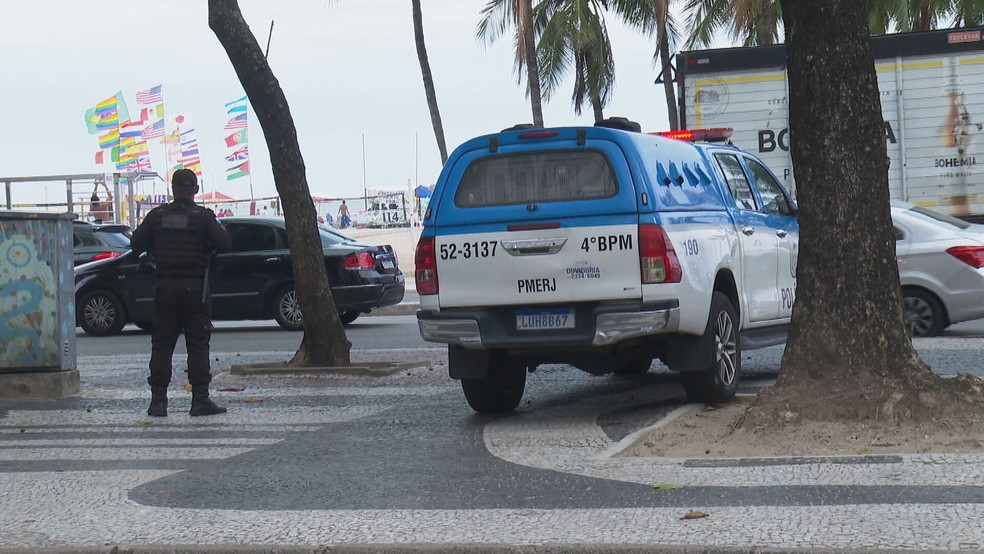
{"x": 719, "y": 382}
{"x": 500, "y": 390}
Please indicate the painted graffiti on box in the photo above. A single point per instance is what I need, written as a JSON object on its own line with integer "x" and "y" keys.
{"x": 28, "y": 295}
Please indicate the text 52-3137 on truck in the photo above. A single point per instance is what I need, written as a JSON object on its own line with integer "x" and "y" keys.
{"x": 603, "y": 248}
{"x": 930, "y": 85}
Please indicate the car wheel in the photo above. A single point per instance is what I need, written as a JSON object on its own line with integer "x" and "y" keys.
{"x": 635, "y": 367}
{"x": 287, "y": 311}
{"x": 500, "y": 390}
{"x": 719, "y": 382}
{"x": 923, "y": 313}
{"x": 348, "y": 317}
{"x": 101, "y": 314}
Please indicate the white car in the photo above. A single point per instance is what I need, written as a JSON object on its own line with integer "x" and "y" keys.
{"x": 940, "y": 265}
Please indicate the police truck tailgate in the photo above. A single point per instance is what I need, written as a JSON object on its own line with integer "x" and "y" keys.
{"x": 543, "y": 266}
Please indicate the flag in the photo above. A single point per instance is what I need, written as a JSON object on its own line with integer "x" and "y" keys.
{"x": 239, "y": 155}
{"x": 106, "y": 114}
{"x": 152, "y": 95}
{"x": 238, "y": 122}
{"x": 236, "y": 106}
{"x": 239, "y": 137}
{"x": 195, "y": 166}
{"x": 99, "y": 156}
{"x": 131, "y": 128}
{"x": 155, "y": 130}
{"x": 110, "y": 139}
{"x": 238, "y": 171}
{"x": 154, "y": 112}
{"x": 191, "y": 150}
{"x": 171, "y": 138}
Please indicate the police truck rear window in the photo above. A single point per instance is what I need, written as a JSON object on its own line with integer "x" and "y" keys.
{"x": 535, "y": 177}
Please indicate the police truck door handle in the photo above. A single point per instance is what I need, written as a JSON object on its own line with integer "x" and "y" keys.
{"x": 748, "y": 231}
{"x": 781, "y": 233}
{"x": 533, "y": 247}
{"x": 271, "y": 260}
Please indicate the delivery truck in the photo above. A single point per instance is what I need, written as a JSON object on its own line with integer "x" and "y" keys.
{"x": 932, "y": 94}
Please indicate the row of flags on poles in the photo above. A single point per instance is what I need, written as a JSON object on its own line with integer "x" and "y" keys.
{"x": 124, "y": 139}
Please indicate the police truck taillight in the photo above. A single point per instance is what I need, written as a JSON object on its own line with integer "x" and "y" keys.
{"x": 657, "y": 259}
{"x": 425, "y": 261}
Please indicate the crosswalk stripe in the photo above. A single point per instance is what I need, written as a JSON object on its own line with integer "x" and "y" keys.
{"x": 155, "y": 442}
{"x": 245, "y": 414}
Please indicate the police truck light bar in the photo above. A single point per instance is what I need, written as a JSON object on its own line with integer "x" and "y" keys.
{"x": 714, "y": 134}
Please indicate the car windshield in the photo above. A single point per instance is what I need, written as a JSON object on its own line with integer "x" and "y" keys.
{"x": 932, "y": 215}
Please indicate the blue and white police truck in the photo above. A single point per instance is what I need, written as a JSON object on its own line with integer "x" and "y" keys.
{"x": 604, "y": 248}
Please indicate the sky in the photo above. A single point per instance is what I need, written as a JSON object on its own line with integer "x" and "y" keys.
{"x": 348, "y": 68}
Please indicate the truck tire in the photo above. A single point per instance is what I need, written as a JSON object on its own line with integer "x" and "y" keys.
{"x": 500, "y": 390}
{"x": 719, "y": 382}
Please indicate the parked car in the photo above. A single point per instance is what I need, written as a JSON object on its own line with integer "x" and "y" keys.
{"x": 253, "y": 281}
{"x": 940, "y": 266}
{"x": 97, "y": 241}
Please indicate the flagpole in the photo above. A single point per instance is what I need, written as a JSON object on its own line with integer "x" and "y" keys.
{"x": 365, "y": 185}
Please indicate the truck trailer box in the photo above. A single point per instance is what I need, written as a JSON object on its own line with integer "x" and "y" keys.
{"x": 932, "y": 94}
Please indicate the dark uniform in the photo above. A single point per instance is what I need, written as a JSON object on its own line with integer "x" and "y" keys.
{"x": 181, "y": 236}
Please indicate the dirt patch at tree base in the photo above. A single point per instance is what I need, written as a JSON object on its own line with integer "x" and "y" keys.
{"x": 713, "y": 431}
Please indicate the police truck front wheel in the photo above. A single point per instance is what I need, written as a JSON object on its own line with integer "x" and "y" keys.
{"x": 719, "y": 382}
{"x": 500, "y": 390}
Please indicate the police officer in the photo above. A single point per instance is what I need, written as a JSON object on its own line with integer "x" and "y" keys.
{"x": 182, "y": 237}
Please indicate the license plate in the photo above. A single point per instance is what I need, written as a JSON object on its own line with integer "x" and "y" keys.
{"x": 535, "y": 320}
{"x": 387, "y": 264}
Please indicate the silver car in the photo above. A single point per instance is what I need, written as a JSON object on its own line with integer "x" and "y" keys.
{"x": 940, "y": 264}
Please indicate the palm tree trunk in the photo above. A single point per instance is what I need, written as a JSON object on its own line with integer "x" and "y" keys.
{"x": 532, "y": 68}
{"x": 425, "y": 71}
{"x": 668, "y": 81}
{"x": 598, "y": 107}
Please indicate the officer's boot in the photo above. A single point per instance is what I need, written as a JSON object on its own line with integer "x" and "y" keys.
{"x": 158, "y": 402}
{"x": 201, "y": 404}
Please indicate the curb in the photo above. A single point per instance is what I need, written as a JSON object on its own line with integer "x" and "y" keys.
{"x": 365, "y": 369}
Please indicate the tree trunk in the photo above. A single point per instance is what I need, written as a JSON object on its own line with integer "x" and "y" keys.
{"x": 425, "y": 71}
{"x": 324, "y": 341}
{"x": 598, "y": 107}
{"x": 669, "y": 82}
{"x": 848, "y": 355}
{"x": 532, "y": 67}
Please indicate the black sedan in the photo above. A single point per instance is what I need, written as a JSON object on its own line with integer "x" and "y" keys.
{"x": 253, "y": 281}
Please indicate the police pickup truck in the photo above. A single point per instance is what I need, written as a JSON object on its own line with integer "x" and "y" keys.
{"x": 604, "y": 248}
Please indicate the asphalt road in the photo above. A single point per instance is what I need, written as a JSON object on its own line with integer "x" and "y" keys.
{"x": 400, "y": 332}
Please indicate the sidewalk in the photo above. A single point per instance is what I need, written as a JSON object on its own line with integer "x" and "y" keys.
{"x": 92, "y": 474}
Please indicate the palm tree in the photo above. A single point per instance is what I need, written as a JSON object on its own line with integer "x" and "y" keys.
{"x": 573, "y": 32}
{"x": 497, "y": 17}
{"x": 750, "y": 22}
{"x": 435, "y": 113}
{"x": 653, "y": 16}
